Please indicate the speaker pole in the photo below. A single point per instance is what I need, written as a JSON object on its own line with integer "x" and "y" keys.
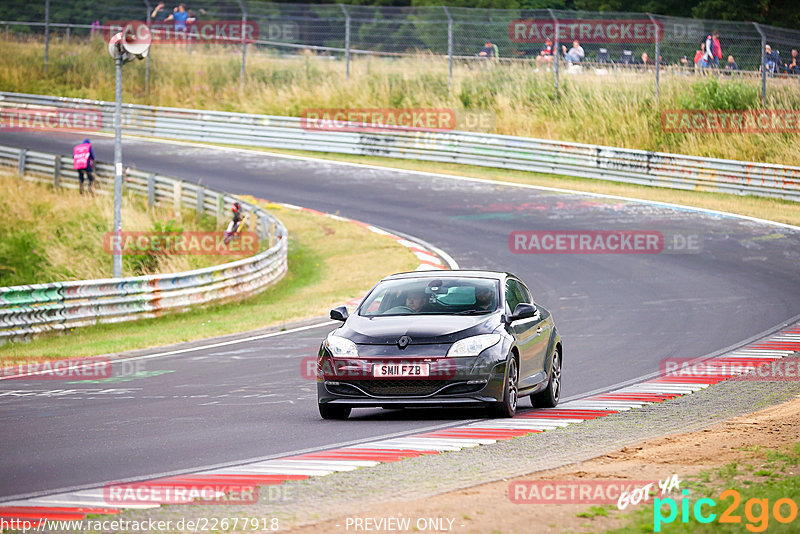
{"x": 118, "y": 169}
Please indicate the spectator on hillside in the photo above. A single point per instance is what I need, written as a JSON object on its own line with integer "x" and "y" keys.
{"x": 487, "y": 50}
{"x": 793, "y": 67}
{"x": 771, "y": 59}
{"x": 714, "y": 49}
{"x": 180, "y": 16}
{"x": 683, "y": 65}
{"x": 546, "y": 54}
{"x": 575, "y": 54}
{"x": 645, "y": 61}
{"x": 731, "y": 65}
{"x": 698, "y": 56}
{"x": 83, "y": 162}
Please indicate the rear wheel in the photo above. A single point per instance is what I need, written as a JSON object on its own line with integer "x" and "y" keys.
{"x": 549, "y": 397}
{"x": 508, "y": 407}
{"x": 332, "y": 411}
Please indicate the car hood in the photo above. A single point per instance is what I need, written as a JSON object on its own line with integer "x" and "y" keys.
{"x": 421, "y": 328}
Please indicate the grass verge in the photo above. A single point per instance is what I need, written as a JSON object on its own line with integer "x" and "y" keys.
{"x": 330, "y": 262}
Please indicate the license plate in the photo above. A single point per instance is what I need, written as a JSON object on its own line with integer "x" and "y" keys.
{"x": 400, "y": 369}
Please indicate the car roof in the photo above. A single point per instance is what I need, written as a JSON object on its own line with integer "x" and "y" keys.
{"x": 457, "y": 273}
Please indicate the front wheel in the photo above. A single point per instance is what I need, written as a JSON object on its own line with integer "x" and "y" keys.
{"x": 332, "y": 411}
{"x": 508, "y": 407}
{"x": 549, "y": 397}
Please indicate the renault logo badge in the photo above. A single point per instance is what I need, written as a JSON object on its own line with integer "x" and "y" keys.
{"x": 403, "y": 341}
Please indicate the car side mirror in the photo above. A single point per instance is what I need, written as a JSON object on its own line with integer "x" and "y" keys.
{"x": 524, "y": 310}
{"x": 339, "y": 314}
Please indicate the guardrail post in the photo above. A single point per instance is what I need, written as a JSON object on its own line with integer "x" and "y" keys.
{"x": 220, "y": 208}
{"x": 273, "y": 231}
{"x": 177, "y": 193}
{"x": 763, "y": 64}
{"x": 46, "y": 33}
{"x": 151, "y": 190}
{"x": 449, "y": 47}
{"x": 57, "y": 172}
{"x": 23, "y": 153}
{"x": 556, "y": 49}
{"x": 346, "y": 40}
{"x": 68, "y": 28}
{"x": 244, "y": 43}
{"x": 201, "y": 201}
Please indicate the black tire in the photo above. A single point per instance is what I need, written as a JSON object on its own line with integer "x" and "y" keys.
{"x": 548, "y": 398}
{"x": 508, "y": 407}
{"x": 332, "y": 411}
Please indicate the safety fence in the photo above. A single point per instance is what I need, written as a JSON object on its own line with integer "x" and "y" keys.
{"x": 657, "y": 45}
{"x": 488, "y": 150}
{"x": 31, "y": 309}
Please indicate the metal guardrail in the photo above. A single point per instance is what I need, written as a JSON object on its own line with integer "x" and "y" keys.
{"x": 31, "y": 309}
{"x": 488, "y": 150}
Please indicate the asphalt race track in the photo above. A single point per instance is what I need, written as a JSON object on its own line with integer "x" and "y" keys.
{"x": 619, "y": 315}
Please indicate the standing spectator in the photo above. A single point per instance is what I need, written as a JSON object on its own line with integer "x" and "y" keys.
{"x": 771, "y": 59}
{"x": 716, "y": 48}
{"x": 793, "y": 67}
{"x": 731, "y": 65}
{"x": 154, "y": 14}
{"x": 575, "y": 54}
{"x": 645, "y": 61}
{"x": 708, "y": 52}
{"x": 83, "y": 162}
{"x": 180, "y": 16}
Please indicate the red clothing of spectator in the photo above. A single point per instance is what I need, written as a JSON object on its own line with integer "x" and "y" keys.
{"x": 716, "y": 48}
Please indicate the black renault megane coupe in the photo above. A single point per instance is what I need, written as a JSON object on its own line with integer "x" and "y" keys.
{"x": 441, "y": 338}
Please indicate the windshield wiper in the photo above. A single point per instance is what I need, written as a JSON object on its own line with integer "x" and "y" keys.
{"x": 472, "y": 312}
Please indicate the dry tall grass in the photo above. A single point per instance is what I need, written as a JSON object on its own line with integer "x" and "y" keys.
{"x": 616, "y": 110}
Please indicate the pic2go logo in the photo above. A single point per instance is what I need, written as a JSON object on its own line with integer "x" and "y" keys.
{"x": 756, "y": 511}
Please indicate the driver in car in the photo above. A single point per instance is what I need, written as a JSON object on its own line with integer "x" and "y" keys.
{"x": 484, "y": 298}
{"x": 416, "y": 300}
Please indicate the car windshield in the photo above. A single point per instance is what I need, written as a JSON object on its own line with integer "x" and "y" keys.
{"x": 432, "y": 296}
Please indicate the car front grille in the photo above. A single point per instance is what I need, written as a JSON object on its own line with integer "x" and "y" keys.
{"x": 402, "y": 388}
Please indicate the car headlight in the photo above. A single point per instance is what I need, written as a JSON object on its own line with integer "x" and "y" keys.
{"x": 340, "y": 347}
{"x": 472, "y": 346}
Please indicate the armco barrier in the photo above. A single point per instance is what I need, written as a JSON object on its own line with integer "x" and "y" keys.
{"x": 502, "y": 151}
{"x": 30, "y": 309}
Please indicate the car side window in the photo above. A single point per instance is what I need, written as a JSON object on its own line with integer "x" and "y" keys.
{"x": 513, "y": 295}
{"x": 526, "y": 294}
